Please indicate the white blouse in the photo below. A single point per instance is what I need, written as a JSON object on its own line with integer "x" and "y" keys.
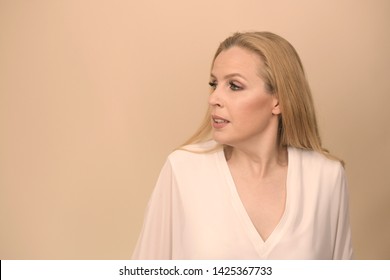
{"x": 195, "y": 212}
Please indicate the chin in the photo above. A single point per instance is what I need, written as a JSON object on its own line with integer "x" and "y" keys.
{"x": 222, "y": 140}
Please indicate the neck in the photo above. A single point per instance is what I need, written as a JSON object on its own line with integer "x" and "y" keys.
{"x": 258, "y": 160}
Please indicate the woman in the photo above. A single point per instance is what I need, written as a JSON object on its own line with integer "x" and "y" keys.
{"x": 254, "y": 181}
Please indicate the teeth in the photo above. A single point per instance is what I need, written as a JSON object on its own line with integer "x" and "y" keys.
{"x": 220, "y": 121}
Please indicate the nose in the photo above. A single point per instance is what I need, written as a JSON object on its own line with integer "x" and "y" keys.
{"x": 215, "y": 99}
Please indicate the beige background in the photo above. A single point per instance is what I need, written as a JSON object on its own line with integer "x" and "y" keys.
{"x": 95, "y": 94}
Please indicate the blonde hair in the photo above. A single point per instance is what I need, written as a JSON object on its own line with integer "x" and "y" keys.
{"x": 283, "y": 75}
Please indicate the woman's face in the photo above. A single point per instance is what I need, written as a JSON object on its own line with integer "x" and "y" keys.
{"x": 243, "y": 112}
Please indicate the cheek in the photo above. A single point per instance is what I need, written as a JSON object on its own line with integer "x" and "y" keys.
{"x": 254, "y": 109}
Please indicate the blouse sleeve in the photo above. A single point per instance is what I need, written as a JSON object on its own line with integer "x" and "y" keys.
{"x": 343, "y": 242}
{"x": 155, "y": 239}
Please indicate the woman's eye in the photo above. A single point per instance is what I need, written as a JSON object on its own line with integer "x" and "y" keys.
{"x": 234, "y": 87}
{"x": 213, "y": 85}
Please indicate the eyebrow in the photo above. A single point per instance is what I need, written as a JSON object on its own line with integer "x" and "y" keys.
{"x": 230, "y": 76}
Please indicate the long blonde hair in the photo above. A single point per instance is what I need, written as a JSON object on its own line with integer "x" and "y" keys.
{"x": 283, "y": 75}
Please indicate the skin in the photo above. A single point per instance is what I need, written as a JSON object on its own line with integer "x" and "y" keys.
{"x": 257, "y": 164}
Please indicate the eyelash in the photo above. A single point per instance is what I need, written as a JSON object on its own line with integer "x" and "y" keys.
{"x": 213, "y": 85}
{"x": 232, "y": 86}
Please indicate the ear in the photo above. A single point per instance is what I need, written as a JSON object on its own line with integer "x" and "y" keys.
{"x": 276, "y": 107}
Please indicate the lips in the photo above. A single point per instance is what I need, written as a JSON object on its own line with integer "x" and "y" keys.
{"x": 218, "y": 119}
{"x": 219, "y": 122}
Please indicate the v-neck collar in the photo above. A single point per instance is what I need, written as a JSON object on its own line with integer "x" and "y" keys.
{"x": 259, "y": 244}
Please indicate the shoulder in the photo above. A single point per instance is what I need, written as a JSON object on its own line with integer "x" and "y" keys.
{"x": 195, "y": 153}
{"x": 315, "y": 164}
{"x": 313, "y": 159}
{"x": 318, "y": 175}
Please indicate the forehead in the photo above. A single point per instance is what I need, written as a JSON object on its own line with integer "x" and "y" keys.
{"x": 237, "y": 59}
